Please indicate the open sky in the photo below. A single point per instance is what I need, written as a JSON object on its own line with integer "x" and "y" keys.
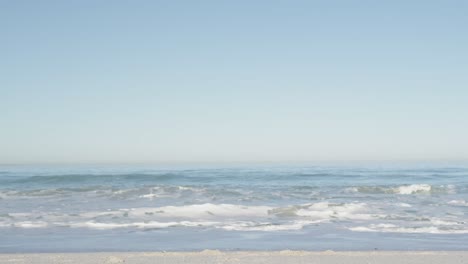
{"x": 232, "y": 81}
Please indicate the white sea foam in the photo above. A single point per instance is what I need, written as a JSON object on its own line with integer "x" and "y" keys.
{"x": 458, "y": 202}
{"x": 122, "y": 191}
{"x": 234, "y": 217}
{"x": 327, "y": 211}
{"x": 413, "y": 188}
{"x": 229, "y": 226}
{"x": 267, "y": 226}
{"x": 404, "y": 205}
{"x": 150, "y": 195}
{"x": 30, "y": 224}
{"x": 403, "y": 189}
{"x": 94, "y": 214}
{"x": 391, "y": 228}
{"x": 224, "y": 216}
{"x": 442, "y": 222}
{"x": 143, "y": 225}
{"x": 206, "y": 210}
{"x": 351, "y": 190}
{"x": 184, "y": 188}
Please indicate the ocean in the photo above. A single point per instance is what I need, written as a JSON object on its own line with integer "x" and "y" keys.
{"x": 144, "y": 208}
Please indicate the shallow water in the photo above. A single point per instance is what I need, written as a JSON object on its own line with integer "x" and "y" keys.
{"x": 45, "y": 209}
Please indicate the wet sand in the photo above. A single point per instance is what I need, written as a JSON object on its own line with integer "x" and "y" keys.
{"x": 214, "y": 256}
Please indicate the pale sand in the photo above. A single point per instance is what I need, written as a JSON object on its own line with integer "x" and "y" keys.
{"x": 214, "y": 256}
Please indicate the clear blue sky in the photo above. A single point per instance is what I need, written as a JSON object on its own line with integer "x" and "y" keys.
{"x": 228, "y": 81}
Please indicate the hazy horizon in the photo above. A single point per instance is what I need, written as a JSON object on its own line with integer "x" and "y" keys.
{"x": 233, "y": 82}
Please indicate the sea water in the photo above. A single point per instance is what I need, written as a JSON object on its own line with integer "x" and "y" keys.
{"x": 145, "y": 208}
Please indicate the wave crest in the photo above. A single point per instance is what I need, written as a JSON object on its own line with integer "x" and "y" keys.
{"x": 403, "y": 189}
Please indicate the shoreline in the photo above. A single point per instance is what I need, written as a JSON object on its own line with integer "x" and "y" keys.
{"x": 216, "y": 256}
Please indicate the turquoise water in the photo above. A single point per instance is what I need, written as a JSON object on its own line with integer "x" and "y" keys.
{"x": 50, "y": 209}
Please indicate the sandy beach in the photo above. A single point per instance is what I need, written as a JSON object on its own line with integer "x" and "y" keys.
{"x": 214, "y": 256}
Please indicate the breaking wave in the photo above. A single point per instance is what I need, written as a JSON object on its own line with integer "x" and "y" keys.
{"x": 404, "y": 189}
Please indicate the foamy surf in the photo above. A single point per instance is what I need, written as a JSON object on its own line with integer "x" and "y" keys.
{"x": 392, "y": 228}
{"x": 233, "y": 217}
{"x": 414, "y": 188}
{"x": 236, "y": 207}
{"x": 409, "y": 189}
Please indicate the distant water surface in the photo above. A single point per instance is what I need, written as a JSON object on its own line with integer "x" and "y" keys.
{"x": 53, "y": 209}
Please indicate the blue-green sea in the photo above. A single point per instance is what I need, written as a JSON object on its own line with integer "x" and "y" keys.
{"x": 151, "y": 208}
